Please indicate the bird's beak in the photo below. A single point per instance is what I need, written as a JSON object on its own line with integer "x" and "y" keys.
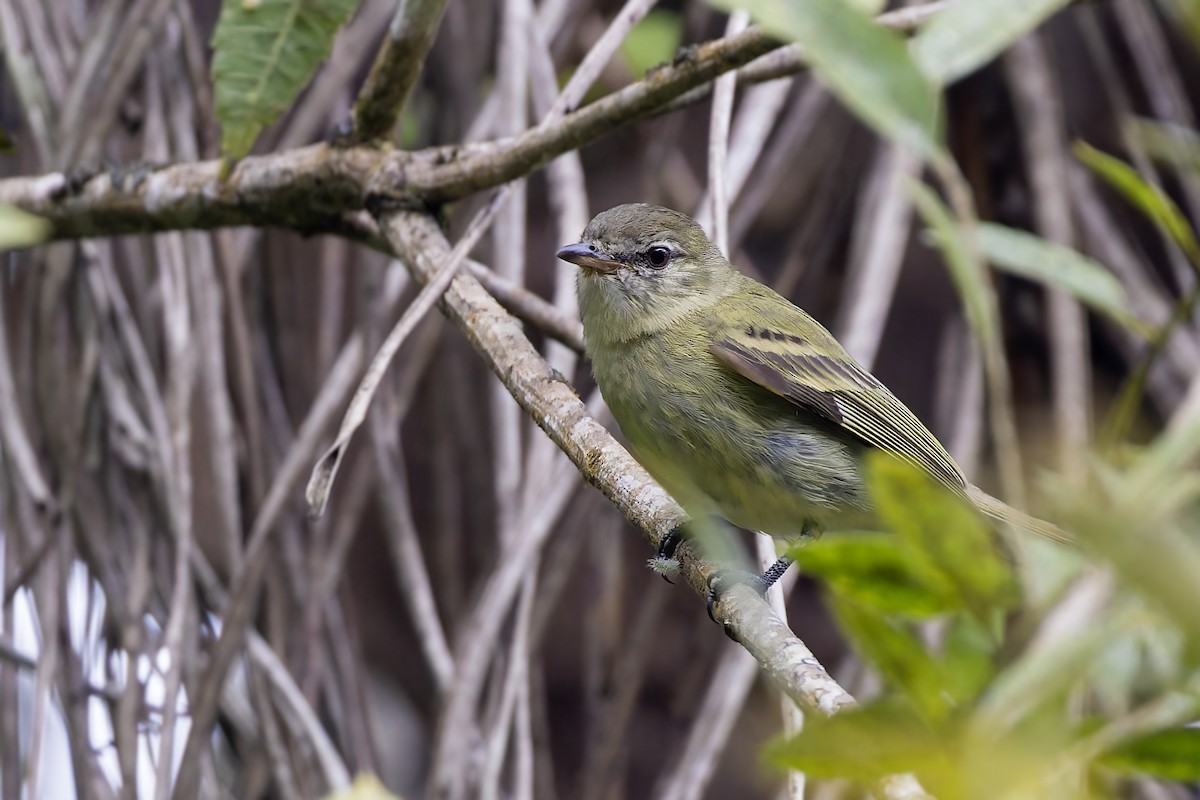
{"x": 589, "y": 258}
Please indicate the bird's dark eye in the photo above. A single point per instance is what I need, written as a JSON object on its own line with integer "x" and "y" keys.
{"x": 658, "y": 256}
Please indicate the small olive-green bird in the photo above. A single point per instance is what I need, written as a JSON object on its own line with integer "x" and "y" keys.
{"x": 737, "y": 401}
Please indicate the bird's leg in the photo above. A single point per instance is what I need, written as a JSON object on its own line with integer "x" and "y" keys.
{"x": 721, "y": 580}
{"x": 669, "y": 543}
{"x": 664, "y": 561}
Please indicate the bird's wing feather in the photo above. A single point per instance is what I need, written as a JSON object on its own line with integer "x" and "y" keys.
{"x": 783, "y": 349}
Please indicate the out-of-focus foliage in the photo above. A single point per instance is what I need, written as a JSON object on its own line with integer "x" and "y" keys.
{"x": 1174, "y": 145}
{"x": 965, "y": 36}
{"x": 365, "y": 787}
{"x": 1150, "y": 200}
{"x": 20, "y": 229}
{"x": 957, "y": 253}
{"x": 264, "y": 54}
{"x": 887, "y": 90}
{"x": 1032, "y": 257}
{"x": 976, "y": 710}
{"x": 652, "y": 41}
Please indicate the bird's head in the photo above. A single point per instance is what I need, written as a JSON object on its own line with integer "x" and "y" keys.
{"x": 643, "y": 267}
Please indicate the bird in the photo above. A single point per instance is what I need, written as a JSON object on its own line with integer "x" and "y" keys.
{"x": 735, "y": 399}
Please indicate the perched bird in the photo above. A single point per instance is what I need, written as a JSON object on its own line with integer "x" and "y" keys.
{"x": 737, "y": 401}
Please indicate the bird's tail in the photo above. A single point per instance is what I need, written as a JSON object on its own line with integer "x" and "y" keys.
{"x": 999, "y": 510}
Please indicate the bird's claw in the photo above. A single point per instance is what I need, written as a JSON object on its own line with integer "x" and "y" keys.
{"x": 720, "y": 582}
{"x": 667, "y": 546}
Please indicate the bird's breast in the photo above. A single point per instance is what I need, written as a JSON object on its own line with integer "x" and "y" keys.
{"x": 722, "y": 445}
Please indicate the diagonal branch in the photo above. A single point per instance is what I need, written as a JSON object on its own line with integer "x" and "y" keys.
{"x": 308, "y": 188}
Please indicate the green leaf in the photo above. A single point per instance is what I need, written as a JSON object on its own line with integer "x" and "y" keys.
{"x": 946, "y": 530}
{"x": 1171, "y": 144}
{"x": 968, "y": 659}
{"x": 965, "y": 36}
{"x": 1034, "y": 258}
{"x": 878, "y": 571}
{"x": 956, "y": 250}
{"x": 865, "y": 65}
{"x": 365, "y": 787}
{"x": 865, "y": 744}
{"x": 1150, "y": 200}
{"x": 266, "y": 51}
{"x": 1186, "y": 14}
{"x": 1170, "y": 755}
{"x": 652, "y": 41}
{"x": 20, "y": 229}
{"x": 896, "y": 651}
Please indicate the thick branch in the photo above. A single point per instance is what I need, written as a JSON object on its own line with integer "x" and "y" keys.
{"x": 307, "y": 188}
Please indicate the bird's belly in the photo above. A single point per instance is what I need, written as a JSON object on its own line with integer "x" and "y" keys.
{"x": 778, "y": 473}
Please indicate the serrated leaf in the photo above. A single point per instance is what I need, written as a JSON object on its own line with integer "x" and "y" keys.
{"x": 867, "y": 66}
{"x": 895, "y": 650}
{"x": 944, "y": 528}
{"x": 956, "y": 252}
{"x": 1150, "y": 200}
{"x": 265, "y": 52}
{"x": 964, "y": 36}
{"x": 878, "y": 571}
{"x": 1034, "y": 258}
{"x": 20, "y": 229}
{"x": 1169, "y": 755}
{"x": 652, "y": 41}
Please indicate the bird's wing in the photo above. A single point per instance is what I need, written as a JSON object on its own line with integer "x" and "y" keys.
{"x": 781, "y": 348}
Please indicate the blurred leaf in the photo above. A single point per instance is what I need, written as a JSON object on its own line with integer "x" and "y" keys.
{"x": 1040, "y": 678}
{"x": 956, "y": 251}
{"x": 7, "y": 145}
{"x": 864, "y": 744}
{"x": 1171, "y": 755}
{"x": 365, "y": 787}
{"x": 878, "y": 571}
{"x": 1186, "y": 14}
{"x": 951, "y": 760}
{"x": 965, "y": 36}
{"x": 652, "y": 41}
{"x": 867, "y": 66}
{"x": 946, "y": 530}
{"x": 894, "y": 649}
{"x": 1150, "y": 200}
{"x": 265, "y": 52}
{"x": 1061, "y": 267}
{"x": 1168, "y": 458}
{"x": 968, "y": 660}
{"x": 20, "y": 229}
{"x": 1171, "y": 144}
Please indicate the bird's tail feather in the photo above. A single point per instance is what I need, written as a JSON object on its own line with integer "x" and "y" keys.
{"x": 999, "y": 510}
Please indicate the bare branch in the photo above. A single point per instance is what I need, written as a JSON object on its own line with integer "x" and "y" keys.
{"x": 396, "y": 68}
{"x": 309, "y": 188}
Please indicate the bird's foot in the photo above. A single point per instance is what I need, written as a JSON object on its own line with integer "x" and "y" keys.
{"x": 721, "y": 580}
{"x": 664, "y": 561}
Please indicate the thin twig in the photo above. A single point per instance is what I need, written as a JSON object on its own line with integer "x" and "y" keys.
{"x": 1039, "y": 110}
{"x": 409, "y": 38}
